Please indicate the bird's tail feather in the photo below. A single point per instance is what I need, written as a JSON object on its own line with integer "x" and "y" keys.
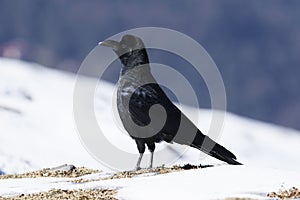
{"x": 207, "y": 145}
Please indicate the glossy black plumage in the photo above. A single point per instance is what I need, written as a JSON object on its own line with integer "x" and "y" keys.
{"x": 138, "y": 91}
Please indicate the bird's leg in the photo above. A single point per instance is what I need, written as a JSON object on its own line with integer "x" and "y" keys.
{"x": 151, "y": 147}
{"x": 137, "y": 167}
{"x": 151, "y": 160}
{"x": 141, "y": 147}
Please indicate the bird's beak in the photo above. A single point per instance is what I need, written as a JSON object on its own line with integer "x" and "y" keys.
{"x": 110, "y": 43}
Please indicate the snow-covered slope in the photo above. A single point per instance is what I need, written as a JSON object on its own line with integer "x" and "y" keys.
{"x": 37, "y": 126}
{"x": 37, "y": 130}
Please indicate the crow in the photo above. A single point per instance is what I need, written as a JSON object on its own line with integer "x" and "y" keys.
{"x": 146, "y": 112}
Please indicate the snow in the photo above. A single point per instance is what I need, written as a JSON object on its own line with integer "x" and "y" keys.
{"x": 208, "y": 183}
{"x": 39, "y": 134}
{"x": 37, "y": 130}
{"x": 211, "y": 183}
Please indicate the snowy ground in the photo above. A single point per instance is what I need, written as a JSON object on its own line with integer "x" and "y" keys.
{"x": 209, "y": 183}
{"x": 37, "y": 130}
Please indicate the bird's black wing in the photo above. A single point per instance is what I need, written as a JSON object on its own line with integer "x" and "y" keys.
{"x": 146, "y": 96}
{"x": 143, "y": 98}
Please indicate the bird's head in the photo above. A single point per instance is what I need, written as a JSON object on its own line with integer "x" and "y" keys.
{"x": 127, "y": 44}
{"x": 131, "y": 50}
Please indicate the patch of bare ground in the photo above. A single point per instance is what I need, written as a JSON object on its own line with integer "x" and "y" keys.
{"x": 67, "y": 171}
{"x": 82, "y": 194}
{"x": 156, "y": 171}
{"x": 292, "y": 193}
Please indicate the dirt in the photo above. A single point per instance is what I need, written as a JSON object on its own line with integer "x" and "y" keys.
{"x": 81, "y": 194}
{"x": 155, "y": 171}
{"x": 58, "y": 172}
{"x": 158, "y": 170}
{"x": 292, "y": 193}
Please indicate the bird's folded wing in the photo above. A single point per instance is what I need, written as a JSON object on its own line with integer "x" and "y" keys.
{"x": 144, "y": 98}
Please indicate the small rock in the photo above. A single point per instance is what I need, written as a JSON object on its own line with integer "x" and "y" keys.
{"x": 63, "y": 168}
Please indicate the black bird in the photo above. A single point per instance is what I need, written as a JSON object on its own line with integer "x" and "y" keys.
{"x": 146, "y": 112}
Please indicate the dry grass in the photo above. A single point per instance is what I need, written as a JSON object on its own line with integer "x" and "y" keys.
{"x": 156, "y": 171}
{"x": 81, "y": 194}
{"x": 72, "y": 172}
{"x": 292, "y": 193}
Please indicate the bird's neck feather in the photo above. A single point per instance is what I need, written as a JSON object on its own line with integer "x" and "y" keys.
{"x": 134, "y": 61}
